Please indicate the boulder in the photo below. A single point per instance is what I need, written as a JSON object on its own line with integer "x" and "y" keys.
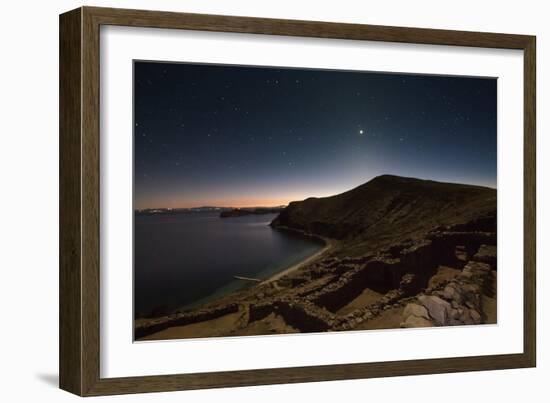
{"x": 476, "y": 317}
{"x": 438, "y": 309}
{"x": 416, "y": 310}
{"x": 451, "y": 293}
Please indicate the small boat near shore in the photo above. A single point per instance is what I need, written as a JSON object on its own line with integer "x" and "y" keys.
{"x": 255, "y": 280}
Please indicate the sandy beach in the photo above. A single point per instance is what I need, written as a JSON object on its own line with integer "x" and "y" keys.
{"x": 328, "y": 246}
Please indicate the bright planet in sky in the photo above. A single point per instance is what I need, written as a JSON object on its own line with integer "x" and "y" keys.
{"x": 245, "y": 136}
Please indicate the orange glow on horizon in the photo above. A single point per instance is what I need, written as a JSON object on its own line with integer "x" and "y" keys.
{"x": 235, "y": 203}
{"x": 231, "y": 201}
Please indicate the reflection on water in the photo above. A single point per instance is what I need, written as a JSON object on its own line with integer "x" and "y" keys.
{"x": 189, "y": 258}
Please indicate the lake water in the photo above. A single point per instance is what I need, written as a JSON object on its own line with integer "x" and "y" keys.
{"x": 186, "y": 259}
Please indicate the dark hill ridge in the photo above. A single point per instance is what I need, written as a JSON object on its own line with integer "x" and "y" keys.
{"x": 390, "y": 208}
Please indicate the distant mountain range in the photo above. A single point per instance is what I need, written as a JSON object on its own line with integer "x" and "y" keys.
{"x": 224, "y": 211}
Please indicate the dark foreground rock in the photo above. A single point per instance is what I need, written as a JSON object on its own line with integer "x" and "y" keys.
{"x": 459, "y": 302}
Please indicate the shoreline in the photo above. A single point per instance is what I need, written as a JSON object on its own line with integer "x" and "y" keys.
{"x": 329, "y": 244}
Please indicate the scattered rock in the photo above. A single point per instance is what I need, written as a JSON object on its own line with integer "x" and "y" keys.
{"x": 416, "y": 310}
{"x": 476, "y": 317}
{"x": 438, "y": 309}
{"x": 450, "y": 293}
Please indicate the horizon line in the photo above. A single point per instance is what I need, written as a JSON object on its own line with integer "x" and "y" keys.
{"x": 294, "y": 200}
{"x": 209, "y": 206}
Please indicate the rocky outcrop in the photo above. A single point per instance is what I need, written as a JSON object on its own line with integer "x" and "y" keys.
{"x": 458, "y": 302}
{"x": 416, "y": 316}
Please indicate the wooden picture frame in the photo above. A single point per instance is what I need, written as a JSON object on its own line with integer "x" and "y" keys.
{"x": 79, "y": 346}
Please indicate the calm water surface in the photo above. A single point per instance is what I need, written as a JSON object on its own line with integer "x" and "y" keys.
{"x": 186, "y": 259}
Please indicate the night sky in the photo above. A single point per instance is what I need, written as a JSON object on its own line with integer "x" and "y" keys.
{"x": 254, "y": 136}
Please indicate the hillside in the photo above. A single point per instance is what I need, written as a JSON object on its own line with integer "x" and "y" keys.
{"x": 389, "y": 209}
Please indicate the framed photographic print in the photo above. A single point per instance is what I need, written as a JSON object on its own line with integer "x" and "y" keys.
{"x": 249, "y": 201}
